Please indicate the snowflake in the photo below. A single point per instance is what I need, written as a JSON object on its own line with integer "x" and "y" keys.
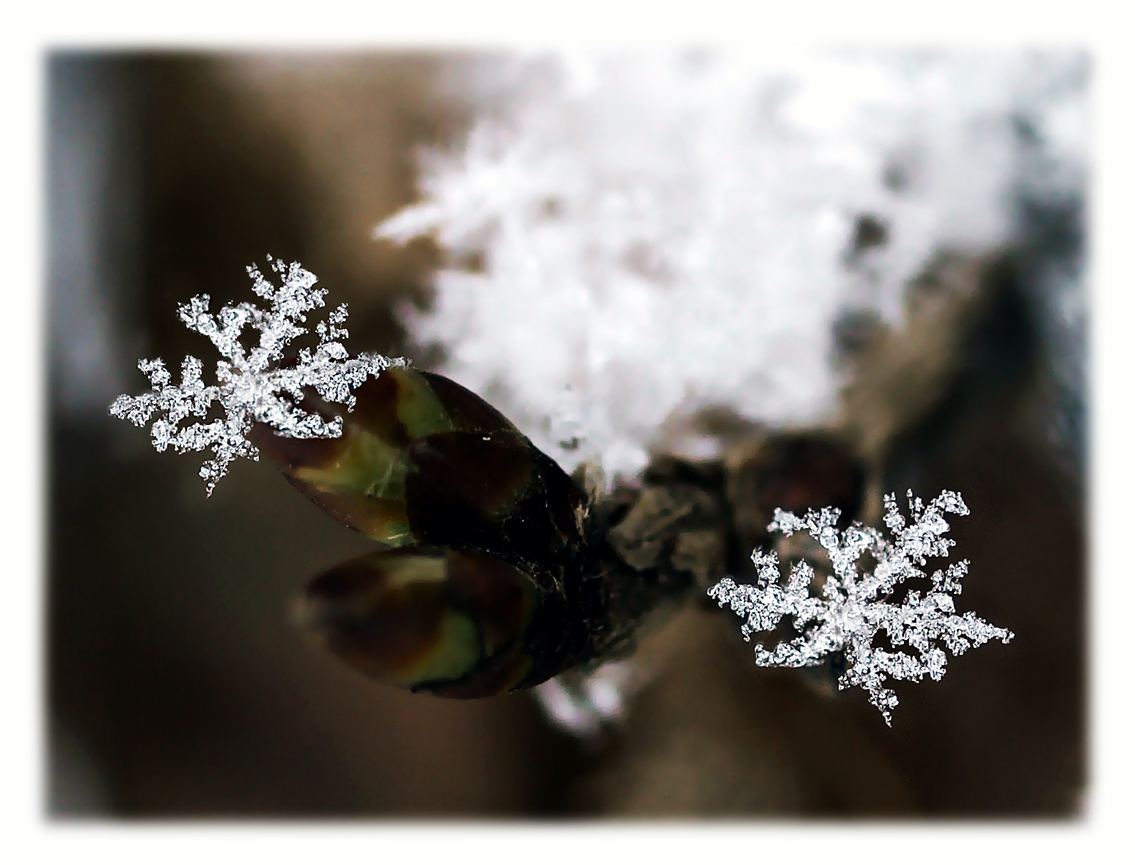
{"x": 251, "y": 386}
{"x": 670, "y": 230}
{"x": 846, "y": 620}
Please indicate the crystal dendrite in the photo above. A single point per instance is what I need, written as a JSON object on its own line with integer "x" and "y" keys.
{"x": 853, "y": 607}
{"x": 252, "y": 385}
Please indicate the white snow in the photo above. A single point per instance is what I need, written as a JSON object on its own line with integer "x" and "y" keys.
{"x": 854, "y": 608}
{"x": 250, "y": 386}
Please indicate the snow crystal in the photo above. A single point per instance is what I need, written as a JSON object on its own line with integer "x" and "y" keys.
{"x": 583, "y": 703}
{"x": 852, "y": 611}
{"x": 250, "y": 385}
{"x": 671, "y": 231}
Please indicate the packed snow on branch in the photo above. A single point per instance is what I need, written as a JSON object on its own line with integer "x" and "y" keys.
{"x": 663, "y": 232}
{"x": 251, "y": 385}
{"x": 854, "y": 609}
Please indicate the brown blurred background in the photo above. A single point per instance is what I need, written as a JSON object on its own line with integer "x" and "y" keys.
{"x": 176, "y": 686}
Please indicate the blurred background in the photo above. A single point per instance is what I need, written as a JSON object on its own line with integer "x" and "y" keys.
{"x": 944, "y": 331}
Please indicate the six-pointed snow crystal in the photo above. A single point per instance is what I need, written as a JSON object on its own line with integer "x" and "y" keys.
{"x": 853, "y": 609}
{"x": 251, "y": 386}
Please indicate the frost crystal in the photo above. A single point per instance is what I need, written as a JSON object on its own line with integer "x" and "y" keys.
{"x": 250, "y": 385}
{"x": 852, "y": 611}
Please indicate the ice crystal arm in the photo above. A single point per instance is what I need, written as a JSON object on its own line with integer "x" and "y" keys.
{"x": 854, "y": 608}
{"x": 251, "y": 384}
